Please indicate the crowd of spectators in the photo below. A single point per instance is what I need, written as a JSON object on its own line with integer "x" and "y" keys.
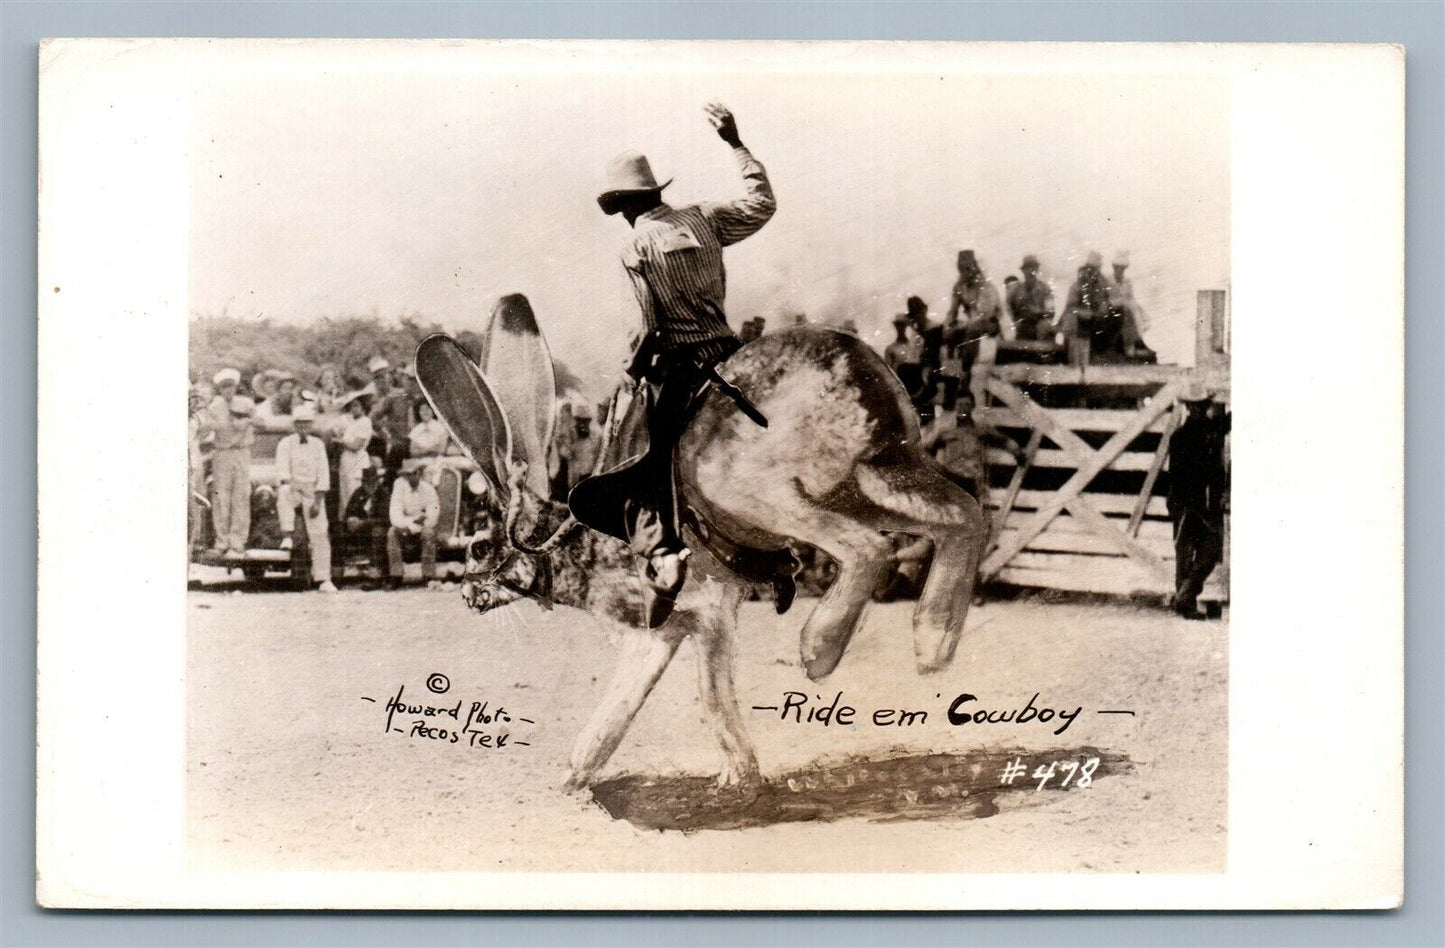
{"x": 359, "y": 456}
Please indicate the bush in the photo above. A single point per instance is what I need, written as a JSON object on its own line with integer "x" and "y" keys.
{"x": 349, "y": 343}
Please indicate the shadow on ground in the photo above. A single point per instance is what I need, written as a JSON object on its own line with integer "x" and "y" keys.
{"x": 918, "y": 787}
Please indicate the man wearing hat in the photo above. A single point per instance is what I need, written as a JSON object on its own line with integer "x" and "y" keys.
{"x": 1031, "y": 304}
{"x": 974, "y": 313}
{"x": 391, "y": 415}
{"x": 1198, "y": 483}
{"x": 582, "y": 445}
{"x": 1086, "y": 312}
{"x": 675, "y": 262}
{"x": 304, "y": 476}
{"x": 902, "y": 357}
{"x": 229, "y": 417}
{"x": 415, "y": 510}
{"x": 1128, "y": 310}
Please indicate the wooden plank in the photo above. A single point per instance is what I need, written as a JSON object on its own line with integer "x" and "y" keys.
{"x": 1099, "y": 577}
{"x": 1122, "y": 504}
{"x": 1091, "y": 544}
{"x": 1078, "y": 451}
{"x": 1053, "y": 458}
{"x": 1105, "y": 529}
{"x": 1015, "y": 483}
{"x": 1075, "y": 419}
{"x": 1214, "y": 377}
{"x": 1075, "y": 485}
{"x": 1117, "y": 582}
{"x": 1147, "y": 491}
{"x": 1158, "y": 535}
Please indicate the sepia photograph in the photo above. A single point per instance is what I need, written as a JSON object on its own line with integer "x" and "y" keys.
{"x": 802, "y": 466}
{"x": 706, "y": 469}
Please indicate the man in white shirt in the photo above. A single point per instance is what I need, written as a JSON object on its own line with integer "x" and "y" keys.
{"x": 415, "y": 510}
{"x": 304, "y": 476}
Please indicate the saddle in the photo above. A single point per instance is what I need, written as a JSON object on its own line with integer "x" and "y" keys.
{"x": 599, "y": 501}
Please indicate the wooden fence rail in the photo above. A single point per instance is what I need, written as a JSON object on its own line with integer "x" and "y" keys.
{"x": 1056, "y": 522}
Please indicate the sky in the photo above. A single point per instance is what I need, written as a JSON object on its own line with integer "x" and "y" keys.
{"x": 435, "y": 191}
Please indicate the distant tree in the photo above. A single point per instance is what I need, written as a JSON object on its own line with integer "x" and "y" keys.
{"x": 346, "y": 342}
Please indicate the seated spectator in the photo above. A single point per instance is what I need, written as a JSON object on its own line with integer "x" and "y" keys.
{"x": 1123, "y": 305}
{"x": 975, "y": 312}
{"x": 415, "y": 510}
{"x": 927, "y": 350}
{"x": 1031, "y": 305}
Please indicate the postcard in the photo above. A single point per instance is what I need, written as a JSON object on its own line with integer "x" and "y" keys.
{"x": 736, "y": 475}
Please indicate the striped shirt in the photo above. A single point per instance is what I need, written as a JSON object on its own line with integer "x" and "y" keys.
{"x": 675, "y": 259}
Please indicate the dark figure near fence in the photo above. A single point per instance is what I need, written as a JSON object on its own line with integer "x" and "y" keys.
{"x": 1198, "y": 487}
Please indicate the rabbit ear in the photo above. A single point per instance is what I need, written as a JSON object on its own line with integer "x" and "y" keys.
{"x": 516, "y": 362}
{"x": 463, "y": 400}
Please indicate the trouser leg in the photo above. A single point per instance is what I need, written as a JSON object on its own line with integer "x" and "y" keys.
{"x": 222, "y": 470}
{"x": 286, "y": 501}
{"x": 241, "y": 505}
{"x": 429, "y": 553}
{"x": 1206, "y": 553}
{"x": 319, "y": 537}
{"x": 395, "y": 566}
{"x": 197, "y": 483}
{"x": 237, "y": 500}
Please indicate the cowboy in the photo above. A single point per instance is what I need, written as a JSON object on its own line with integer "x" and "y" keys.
{"x": 229, "y": 417}
{"x": 675, "y": 263}
{"x": 1031, "y": 304}
{"x": 1198, "y": 484}
{"x": 1085, "y": 322}
{"x": 1123, "y": 305}
{"x": 415, "y": 510}
{"x": 927, "y": 351}
{"x": 975, "y": 312}
{"x": 303, "y": 476}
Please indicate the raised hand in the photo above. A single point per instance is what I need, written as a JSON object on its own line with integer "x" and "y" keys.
{"x": 722, "y": 119}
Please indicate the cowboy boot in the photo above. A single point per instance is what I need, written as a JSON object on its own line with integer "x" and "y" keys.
{"x": 663, "y": 574}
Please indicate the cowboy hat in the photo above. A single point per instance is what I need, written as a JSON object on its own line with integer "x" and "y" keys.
{"x": 1029, "y": 261}
{"x": 1195, "y": 392}
{"x": 628, "y": 173}
{"x": 227, "y": 375}
{"x": 377, "y": 364}
{"x": 1121, "y": 259}
{"x": 304, "y": 412}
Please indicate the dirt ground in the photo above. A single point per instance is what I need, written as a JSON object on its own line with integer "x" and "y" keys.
{"x": 291, "y": 767}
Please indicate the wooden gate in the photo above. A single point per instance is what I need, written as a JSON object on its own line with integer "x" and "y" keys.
{"x": 1085, "y": 508}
